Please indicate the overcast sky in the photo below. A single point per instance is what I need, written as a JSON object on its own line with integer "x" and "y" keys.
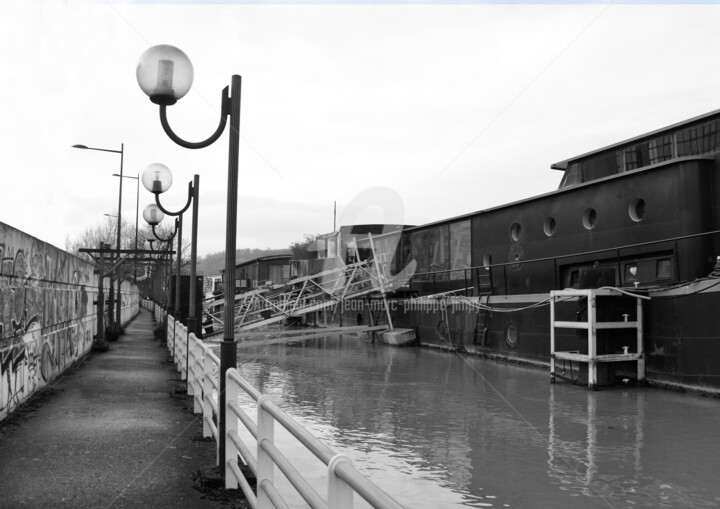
{"x": 450, "y": 108}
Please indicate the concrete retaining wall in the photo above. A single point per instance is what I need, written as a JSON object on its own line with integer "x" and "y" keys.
{"x": 47, "y": 315}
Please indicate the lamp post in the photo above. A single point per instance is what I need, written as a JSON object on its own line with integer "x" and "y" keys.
{"x": 137, "y": 210}
{"x": 159, "y": 279}
{"x": 157, "y": 178}
{"x": 165, "y": 74}
{"x": 119, "y": 216}
{"x": 153, "y": 216}
{"x": 111, "y": 290}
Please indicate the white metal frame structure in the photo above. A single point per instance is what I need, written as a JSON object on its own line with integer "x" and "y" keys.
{"x": 308, "y": 294}
{"x": 592, "y": 325}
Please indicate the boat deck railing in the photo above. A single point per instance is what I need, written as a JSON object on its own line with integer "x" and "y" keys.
{"x": 469, "y": 281}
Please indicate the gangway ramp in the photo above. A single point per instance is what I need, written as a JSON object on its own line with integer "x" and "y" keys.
{"x": 308, "y": 294}
{"x": 273, "y": 337}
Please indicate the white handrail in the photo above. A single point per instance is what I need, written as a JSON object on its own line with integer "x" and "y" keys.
{"x": 343, "y": 480}
{"x": 200, "y": 367}
{"x": 202, "y": 375}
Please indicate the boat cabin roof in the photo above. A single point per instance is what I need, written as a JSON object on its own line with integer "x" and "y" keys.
{"x": 647, "y": 137}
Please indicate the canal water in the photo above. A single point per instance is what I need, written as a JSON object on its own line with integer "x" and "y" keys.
{"x": 440, "y": 430}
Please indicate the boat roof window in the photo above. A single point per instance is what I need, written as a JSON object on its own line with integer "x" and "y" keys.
{"x": 698, "y": 139}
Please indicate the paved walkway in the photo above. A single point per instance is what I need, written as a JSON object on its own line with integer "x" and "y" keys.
{"x": 113, "y": 433}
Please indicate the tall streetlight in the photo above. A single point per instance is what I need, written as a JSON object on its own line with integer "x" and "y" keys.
{"x": 119, "y": 216}
{"x": 165, "y": 74}
{"x": 157, "y": 178}
{"x": 153, "y": 216}
{"x": 137, "y": 213}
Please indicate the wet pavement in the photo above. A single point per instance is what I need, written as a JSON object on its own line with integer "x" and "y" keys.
{"x": 116, "y": 431}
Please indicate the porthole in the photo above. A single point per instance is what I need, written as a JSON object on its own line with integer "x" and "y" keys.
{"x": 511, "y": 335}
{"x": 637, "y": 210}
{"x": 589, "y": 218}
{"x": 549, "y": 226}
{"x": 515, "y": 231}
{"x": 487, "y": 261}
{"x": 442, "y": 329}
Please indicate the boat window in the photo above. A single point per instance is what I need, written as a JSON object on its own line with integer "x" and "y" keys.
{"x": 699, "y": 139}
{"x": 487, "y": 261}
{"x": 321, "y": 248}
{"x": 386, "y": 250}
{"x": 549, "y": 226}
{"x": 646, "y": 153}
{"x": 511, "y": 335}
{"x": 574, "y": 279}
{"x": 589, "y": 218}
{"x": 420, "y": 254}
{"x": 405, "y": 252}
{"x": 637, "y": 156}
{"x": 664, "y": 268}
{"x": 439, "y": 249}
{"x": 637, "y": 210}
{"x": 460, "y": 253}
{"x": 599, "y": 166}
{"x": 631, "y": 272}
{"x": 661, "y": 149}
{"x": 515, "y": 231}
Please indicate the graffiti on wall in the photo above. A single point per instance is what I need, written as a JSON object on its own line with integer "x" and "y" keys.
{"x": 46, "y": 315}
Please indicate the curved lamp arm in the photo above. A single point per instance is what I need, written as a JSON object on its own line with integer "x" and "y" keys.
{"x": 191, "y": 195}
{"x": 225, "y": 110}
{"x": 170, "y": 237}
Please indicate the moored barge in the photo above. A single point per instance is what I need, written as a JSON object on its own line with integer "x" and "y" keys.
{"x": 641, "y": 216}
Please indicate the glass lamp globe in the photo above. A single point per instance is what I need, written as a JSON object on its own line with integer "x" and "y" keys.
{"x": 153, "y": 215}
{"x": 164, "y": 73}
{"x": 157, "y": 178}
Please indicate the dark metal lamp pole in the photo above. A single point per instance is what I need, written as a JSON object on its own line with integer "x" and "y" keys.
{"x": 137, "y": 210}
{"x": 119, "y": 216}
{"x": 165, "y": 74}
{"x": 157, "y": 179}
{"x": 153, "y": 216}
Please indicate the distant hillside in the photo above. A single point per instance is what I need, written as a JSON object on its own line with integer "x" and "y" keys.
{"x": 214, "y": 262}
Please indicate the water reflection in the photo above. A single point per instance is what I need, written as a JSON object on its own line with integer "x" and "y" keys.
{"x": 580, "y": 440}
{"x": 440, "y": 430}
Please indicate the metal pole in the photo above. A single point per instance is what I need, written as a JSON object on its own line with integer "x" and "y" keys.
{"x": 228, "y": 349}
{"x": 168, "y": 296}
{"x": 192, "y": 318}
{"x": 137, "y": 210}
{"x": 119, "y": 222}
{"x": 111, "y": 296}
{"x": 177, "y": 313}
{"x": 101, "y": 307}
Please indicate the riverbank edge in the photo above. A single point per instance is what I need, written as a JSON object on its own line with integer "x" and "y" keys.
{"x": 540, "y": 365}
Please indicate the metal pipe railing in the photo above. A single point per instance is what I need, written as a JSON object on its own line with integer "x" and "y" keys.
{"x": 343, "y": 480}
{"x": 201, "y": 367}
{"x": 433, "y": 277}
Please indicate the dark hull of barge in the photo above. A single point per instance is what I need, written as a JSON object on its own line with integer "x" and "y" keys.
{"x": 642, "y": 215}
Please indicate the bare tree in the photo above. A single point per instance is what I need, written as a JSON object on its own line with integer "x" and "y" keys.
{"x": 103, "y": 232}
{"x": 299, "y": 248}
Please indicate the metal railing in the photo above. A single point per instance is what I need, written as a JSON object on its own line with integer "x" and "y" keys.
{"x": 200, "y": 366}
{"x": 343, "y": 480}
{"x": 462, "y": 281}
